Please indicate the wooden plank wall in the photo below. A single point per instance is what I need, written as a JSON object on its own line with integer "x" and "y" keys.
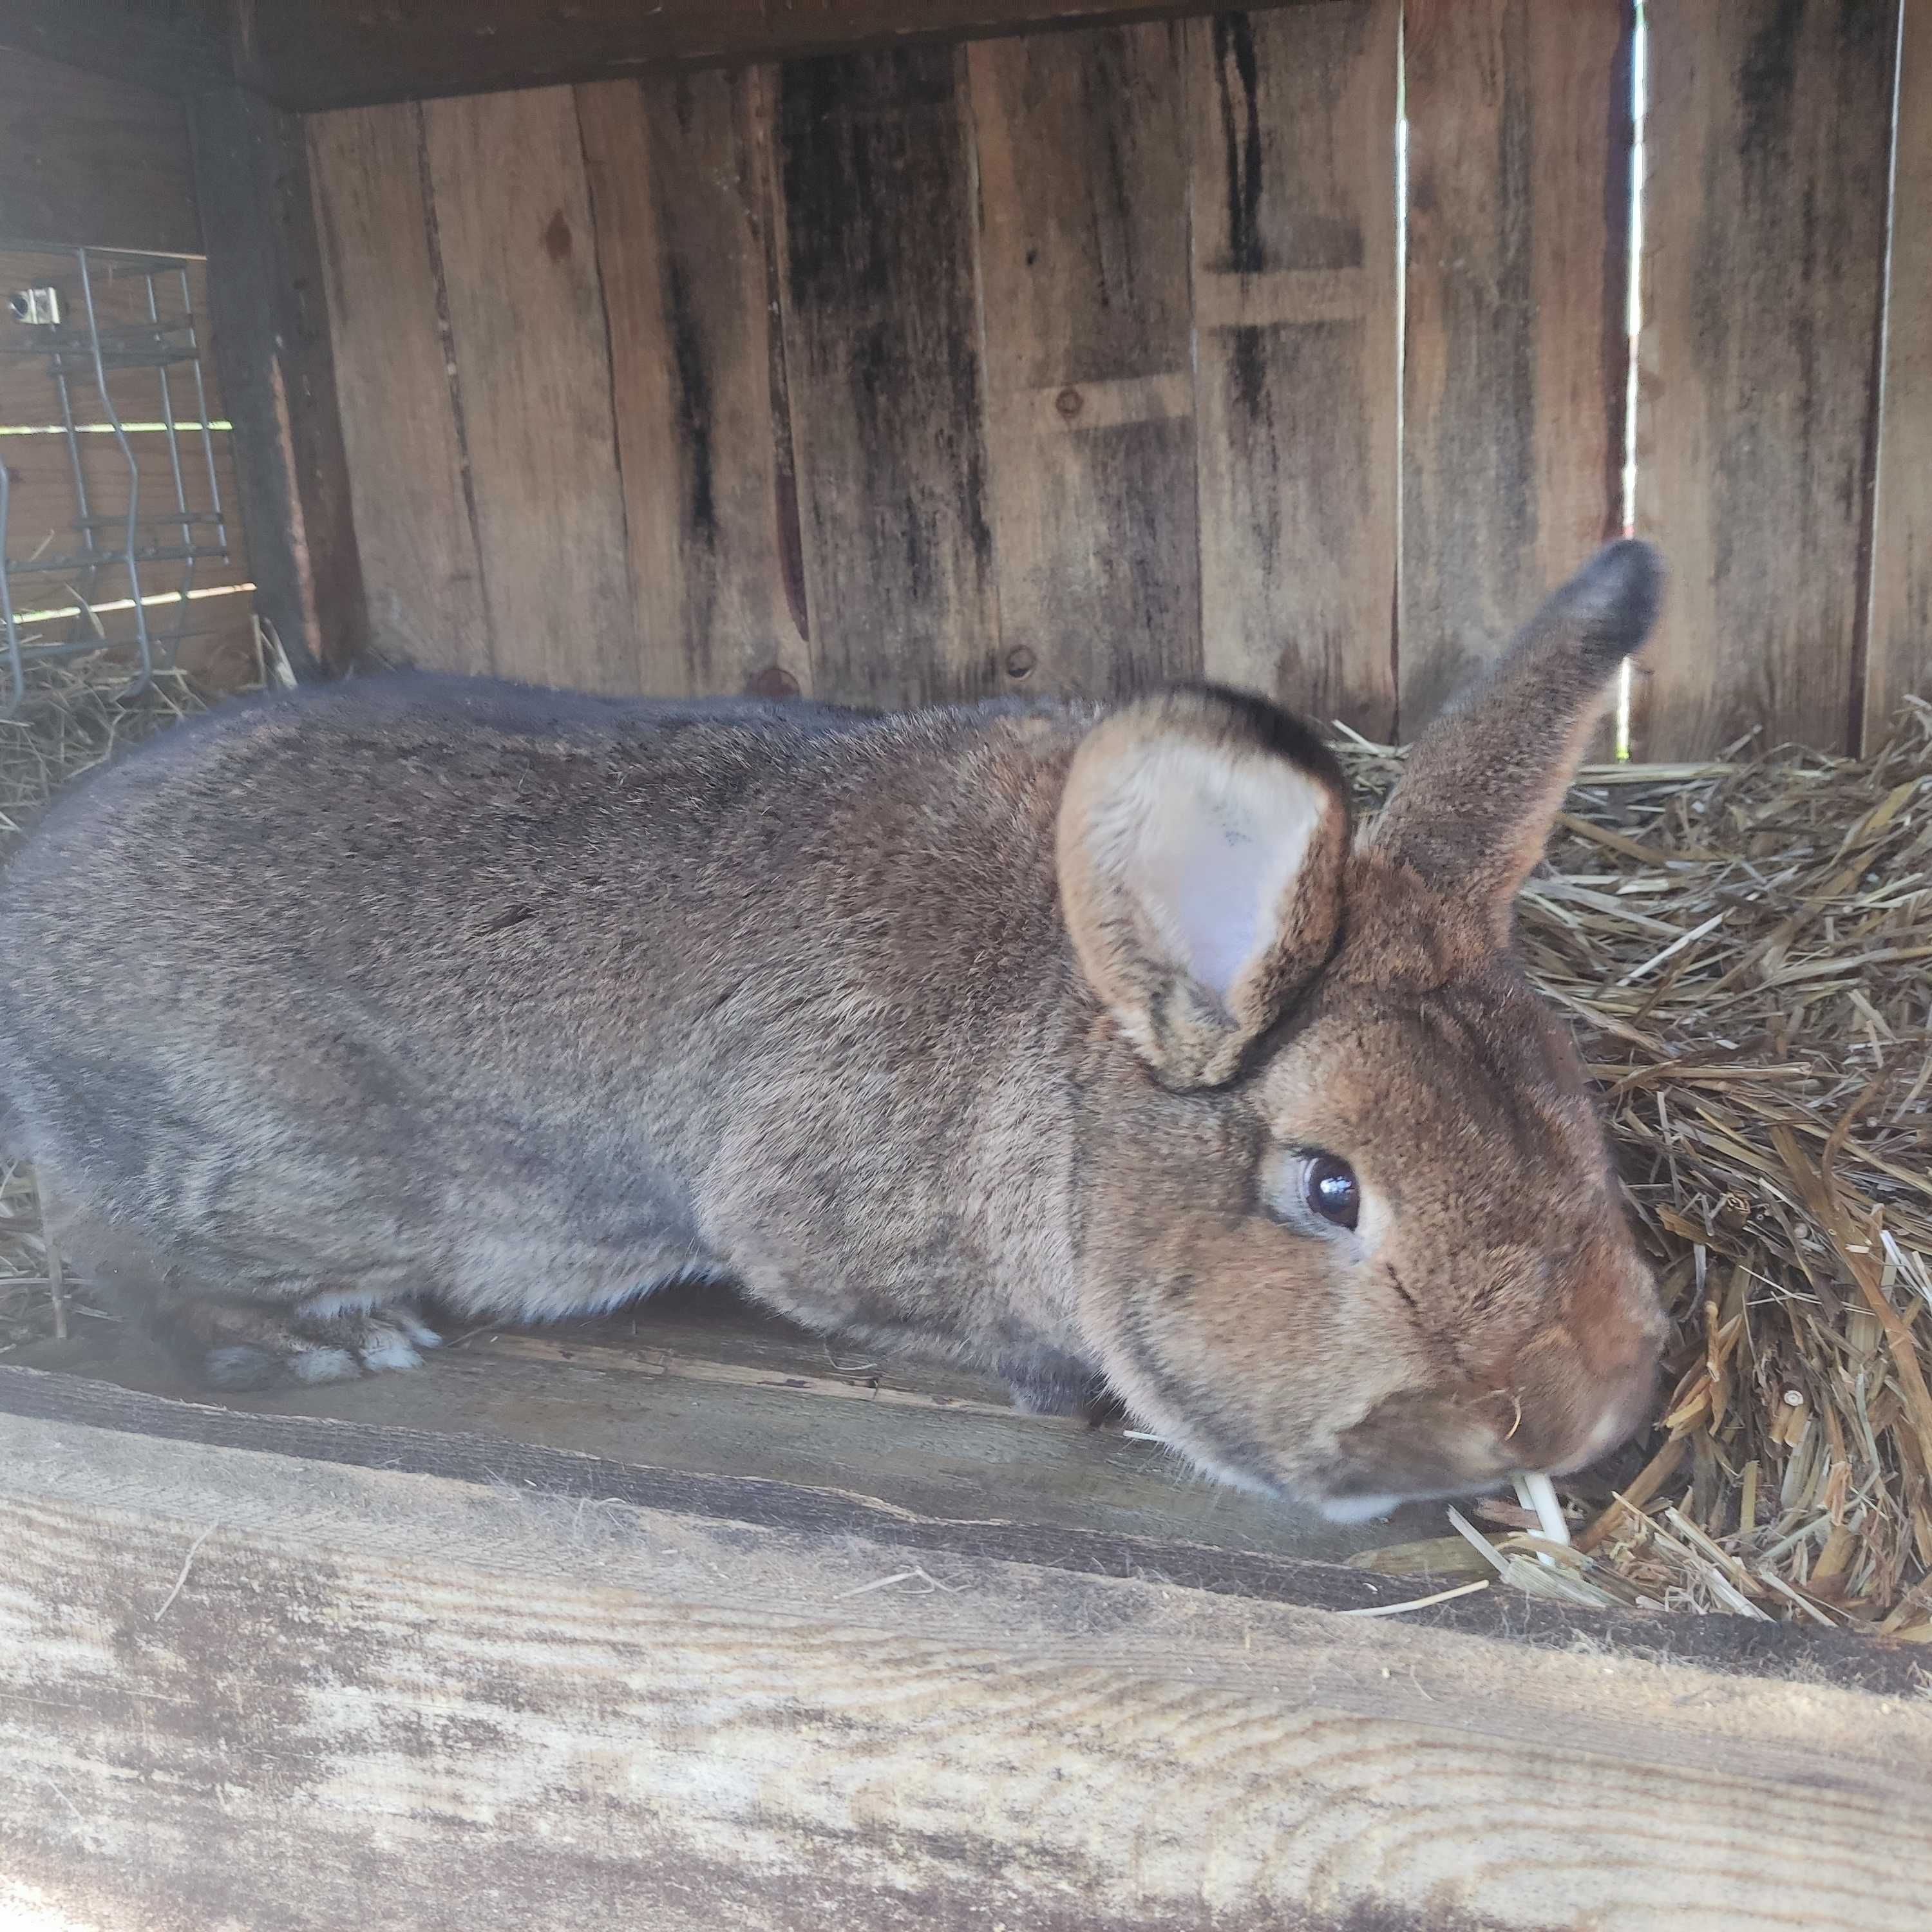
{"x": 1080, "y": 361}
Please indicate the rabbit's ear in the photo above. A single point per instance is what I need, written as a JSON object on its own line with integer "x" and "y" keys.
{"x": 1484, "y": 782}
{"x": 1202, "y": 839}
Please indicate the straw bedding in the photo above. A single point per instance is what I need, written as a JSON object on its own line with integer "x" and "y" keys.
{"x": 1744, "y": 947}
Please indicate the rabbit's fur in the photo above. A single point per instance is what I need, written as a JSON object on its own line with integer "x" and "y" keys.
{"x": 1007, "y": 1029}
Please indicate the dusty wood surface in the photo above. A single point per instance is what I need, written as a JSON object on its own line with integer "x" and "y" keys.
{"x": 730, "y": 1415}
{"x": 680, "y": 177}
{"x": 733, "y": 1395}
{"x": 306, "y": 53}
{"x": 530, "y": 340}
{"x": 1517, "y": 349}
{"x": 173, "y": 45}
{"x": 85, "y": 160}
{"x": 239, "y": 1688}
{"x": 1084, "y": 256}
{"x": 1768, "y": 148}
{"x": 1293, "y": 114}
{"x": 883, "y": 349}
{"x": 269, "y": 313}
{"x": 414, "y": 524}
{"x": 1899, "y": 654}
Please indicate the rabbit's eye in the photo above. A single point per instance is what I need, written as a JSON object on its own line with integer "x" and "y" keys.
{"x": 1331, "y": 1188}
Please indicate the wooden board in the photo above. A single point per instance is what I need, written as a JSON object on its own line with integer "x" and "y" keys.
{"x": 1899, "y": 655}
{"x": 409, "y": 481}
{"x": 1769, "y": 147}
{"x": 1293, "y": 116}
{"x": 1517, "y": 349}
{"x": 693, "y": 1383}
{"x": 530, "y": 338}
{"x": 882, "y": 343}
{"x": 1084, "y": 259}
{"x": 296, "y": 51}
{"x": 89, "y": 161}
{"x": 269, "y": 320}
{"x": 173, "y": 45}
{"x": 680, "y": 178}
{"x": 237, "y": 1687}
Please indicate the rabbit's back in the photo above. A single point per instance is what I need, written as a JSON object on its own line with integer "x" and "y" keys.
{"x": 485, "y": 990}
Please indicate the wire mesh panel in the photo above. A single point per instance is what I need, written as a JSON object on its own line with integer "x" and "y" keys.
{"x": 113, "y": 554}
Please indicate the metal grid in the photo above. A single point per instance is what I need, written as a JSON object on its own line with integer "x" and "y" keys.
{"x": 149, "y": 544}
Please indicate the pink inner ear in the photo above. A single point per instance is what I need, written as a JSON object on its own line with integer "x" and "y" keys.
{"x": 1216, "y": 859}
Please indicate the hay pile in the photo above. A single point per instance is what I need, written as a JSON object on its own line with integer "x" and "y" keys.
{"x": 1744, "y": 949}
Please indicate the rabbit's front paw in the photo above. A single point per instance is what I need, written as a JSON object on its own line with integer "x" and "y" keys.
{"x": 246, "y": 1345}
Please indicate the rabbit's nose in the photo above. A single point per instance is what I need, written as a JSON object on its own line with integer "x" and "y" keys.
{"x": 1629, "y": 1405}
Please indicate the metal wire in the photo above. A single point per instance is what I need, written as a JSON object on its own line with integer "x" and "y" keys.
{"x": 179, "y": 534}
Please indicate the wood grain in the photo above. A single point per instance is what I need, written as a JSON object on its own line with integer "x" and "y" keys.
{"x": 408, "y": 479}
{"x": 171, "y": 46}
{"x": 1293, "y": 116}
{"x": 882, "y": 342}
{"x": 1083, "y": 255}
{"x": 315, "y": 53}
{"x": 1517, "y": 350}
{"x": 1768, "y": 148}
{"x": 269, "y": 314}
{"x": 87, "y": 161}
{"x": 1899, "y": 655}
{"x": 511, "y": 208}
{"x": 680, "y": 176}
{"x": 236, "y": 1688}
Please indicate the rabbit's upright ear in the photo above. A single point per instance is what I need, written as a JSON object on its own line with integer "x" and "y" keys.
{"x": 1202, "y": 839}
{"x": 1474, "y": 810}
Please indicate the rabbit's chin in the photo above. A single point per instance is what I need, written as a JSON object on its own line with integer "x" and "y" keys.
{"x": 1360, "y": 1509}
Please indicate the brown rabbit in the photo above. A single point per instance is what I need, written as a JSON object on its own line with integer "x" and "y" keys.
{"x": 1081, "y": 1043}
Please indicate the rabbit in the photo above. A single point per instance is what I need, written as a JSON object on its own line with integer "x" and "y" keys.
{"x": 1092, "y": 1045}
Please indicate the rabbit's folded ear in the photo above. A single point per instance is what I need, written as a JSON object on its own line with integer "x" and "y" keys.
{"x": 1484, "y": 782}
{"x": 1202, "y": 839}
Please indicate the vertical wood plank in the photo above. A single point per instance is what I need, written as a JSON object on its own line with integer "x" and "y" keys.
{"x": 1899, "y": 659}
{"x": 1084, "y": 256}
{"x": 268, "y": 311}
{"x": 89, "y": 162}
{"x": 680, "y": 180}
{"x": 511, "y": 213}
{"x": 882, "y": 343}
{"x": 1293, "y": 119}
{"x": 407, "y": 477}
{"x": 1768, "y": 145}
{"x": 1517, "y": 356}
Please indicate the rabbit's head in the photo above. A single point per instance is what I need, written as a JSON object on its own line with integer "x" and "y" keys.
{"x": 1350, "y": 1224}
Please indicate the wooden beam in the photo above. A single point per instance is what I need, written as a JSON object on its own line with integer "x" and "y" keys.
{"x": 1898, "y": 661}
{"x": 170, "y": 45}
{"x": 86, "y": 161}
{"x": 314, "y": 53}
{"x": 240, "y": 1687}
{"x": 266, "y": 290}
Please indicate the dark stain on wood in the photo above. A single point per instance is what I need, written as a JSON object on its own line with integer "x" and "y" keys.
{"x": 694, "y": 403}
{"x": 884, "y": 373}
{"x": 1241, "y": 132}
{"x": 557, "y": 237}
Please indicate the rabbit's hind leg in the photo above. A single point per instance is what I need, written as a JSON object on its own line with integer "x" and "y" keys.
{"x": 228, "y": 1330}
